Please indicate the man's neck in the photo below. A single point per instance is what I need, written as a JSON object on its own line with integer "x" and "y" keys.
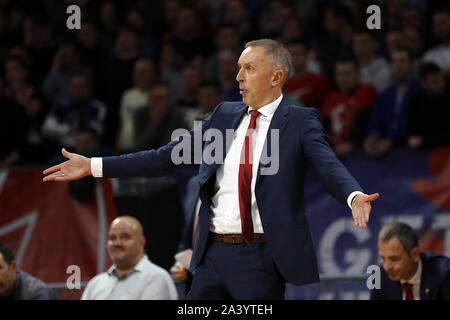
{"x": 122, "y": 268}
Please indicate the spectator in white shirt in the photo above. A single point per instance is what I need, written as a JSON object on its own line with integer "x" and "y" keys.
{"x": 440, "y": 54}
{"x": 132, "y": 276}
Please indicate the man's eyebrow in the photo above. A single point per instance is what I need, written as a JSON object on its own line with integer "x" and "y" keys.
{"x": 245, "y": 63}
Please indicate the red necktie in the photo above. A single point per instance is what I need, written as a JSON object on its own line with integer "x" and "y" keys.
{"x": 245, "y": 181}
{"x": 407, "y": 287}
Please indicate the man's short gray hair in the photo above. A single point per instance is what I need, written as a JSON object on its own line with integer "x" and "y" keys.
{"x": 403, "y": 232}
{"x": 279, "y": 54}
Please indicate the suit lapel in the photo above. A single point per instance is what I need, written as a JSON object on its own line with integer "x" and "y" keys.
{"x": 228, "y": 119}
{"x": 279, "y": 120}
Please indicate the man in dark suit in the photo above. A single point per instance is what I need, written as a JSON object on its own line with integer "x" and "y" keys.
{"x": 408, "y": 274}
{"x": 253, "y": 235}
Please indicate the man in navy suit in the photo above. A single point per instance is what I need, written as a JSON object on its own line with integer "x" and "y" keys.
{"x": 408, "y": 274}
{"x": 253, "y": 235}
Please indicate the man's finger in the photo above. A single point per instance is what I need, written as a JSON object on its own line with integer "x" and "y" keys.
{"x": 52, "y": 169}
{"x": 65, "y": 153}
{"x": 372, "y": 197}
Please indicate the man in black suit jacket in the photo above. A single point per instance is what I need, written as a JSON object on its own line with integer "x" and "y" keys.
{"x": 408, "y": 274}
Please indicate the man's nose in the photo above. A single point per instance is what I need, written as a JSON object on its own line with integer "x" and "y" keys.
{"x": 239, "y": 76}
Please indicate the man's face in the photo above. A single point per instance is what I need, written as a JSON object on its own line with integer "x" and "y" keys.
{"x": 441, "y": 26}
{"x": 400, "y": 65}
{"x": 159, "y": 98}
{"x": 398, "y": 263}
{"x": 434, "y": 83}
{"x": 143, "y": 73}
{"x": 363, "y": 45}
{"x": 346, "y": 75}
{"x": 299, "y": 56}
{"x": 81, "y": 89}
{"x": 7, "y": 275}
{"x": 255, "y": 77}
{"x": 125, "y": 242}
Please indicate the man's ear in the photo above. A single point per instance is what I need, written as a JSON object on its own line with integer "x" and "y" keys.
{"x": 278, "y": 77}
{"x": 13, "y": 265}
{"x": 415, "y": 254}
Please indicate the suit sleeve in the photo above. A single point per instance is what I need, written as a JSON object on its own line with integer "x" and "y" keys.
{"x": 334, "y": 176}
{"x": 158, "y": 162}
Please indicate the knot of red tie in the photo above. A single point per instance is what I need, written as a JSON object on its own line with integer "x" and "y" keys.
{"x": 407, "y": 288}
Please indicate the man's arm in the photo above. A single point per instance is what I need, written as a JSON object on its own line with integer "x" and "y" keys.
{"x": 151, "y": 163}
{"x": 335, "y": 177}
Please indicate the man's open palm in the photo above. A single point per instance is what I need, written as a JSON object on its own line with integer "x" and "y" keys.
{"x": 76, "y": 167}
{"x": 361, "y": 209}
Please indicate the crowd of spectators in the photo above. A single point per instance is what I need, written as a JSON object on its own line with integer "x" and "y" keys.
{"x": 137, "y": 70}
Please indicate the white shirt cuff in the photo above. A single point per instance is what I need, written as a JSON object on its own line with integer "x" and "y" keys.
{"x": 97, "y": 167}
{"x": 350, "y": 197}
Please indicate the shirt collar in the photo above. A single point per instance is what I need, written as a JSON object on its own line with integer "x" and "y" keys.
{"x": 140, "y": 266}
{"x": 416, "y": 278}
{"x": 269, "y": 109}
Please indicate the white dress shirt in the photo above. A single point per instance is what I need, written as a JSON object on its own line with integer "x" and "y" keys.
{"x": 225, "y": 202}
{"x": 415, "y": 282}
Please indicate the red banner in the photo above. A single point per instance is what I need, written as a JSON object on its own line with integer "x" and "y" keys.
{"x": 48, "y": 230}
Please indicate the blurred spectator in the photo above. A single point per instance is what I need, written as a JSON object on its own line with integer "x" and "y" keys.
{"x": 428, "y": 111}
{"x": 236, "y": 12}
{"x": 308, "y": 88}
{"x": 227, "y": 73}
{"x": 393, "y": 41}
{"x": 407, "y": 273}
{"x": 155, "y": 124}
{"x": 80, "y": 110}
{"x": 13, "y": 129}
{"x": 393, "y": 13}
{"x": 109, "y": 23}
{"x": 414, "y": 42}
{"x": 56, "y": 84}
{"x": 374, "y": 70}
{"x": 412, "y": 18}
{"x": 387, "y": 125}
{"x": 336, "y": 38}
{"x": 16, "y": 284}
{"x": 225, "y": 37}
{"x": 292, "y": 30}
{"x": 440, "y": 54}
{"x": 133, "y": 99}
{"x": 39, "y": 46}
{"x": 191, "y": 80}
{"x": 346, "y": 111}
{"x": 278, "y": 12}
{"x": 209, "y": 96}
{"x": 135, "y": 19}
{"x": 191, "y": 36}
{"x": 171, "y": 66}
{"x": 117, "y": 77}
{"x": 132, "y": 276}
{"x": 92, "y": 52}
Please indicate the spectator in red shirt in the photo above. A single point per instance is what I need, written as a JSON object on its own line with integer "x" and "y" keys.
{"x": 308, "y": 88}
{"x": 347, "y": 110}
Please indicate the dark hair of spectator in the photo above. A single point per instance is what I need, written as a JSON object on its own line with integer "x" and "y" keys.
{"x": 428, "y": 68}
{"x": 7, "y": 253}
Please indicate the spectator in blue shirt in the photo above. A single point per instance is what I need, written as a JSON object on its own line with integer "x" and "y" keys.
{"x": 387, "y": 123}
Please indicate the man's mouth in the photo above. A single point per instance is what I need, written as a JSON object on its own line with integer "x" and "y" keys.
{"x": 242, "y": 91}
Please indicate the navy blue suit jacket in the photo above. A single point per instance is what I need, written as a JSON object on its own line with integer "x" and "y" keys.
{"x": 302, "y": 141}
{"x": 434, "y": 282}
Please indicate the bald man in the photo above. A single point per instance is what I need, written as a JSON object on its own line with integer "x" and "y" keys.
{"x": 132, "y": 276}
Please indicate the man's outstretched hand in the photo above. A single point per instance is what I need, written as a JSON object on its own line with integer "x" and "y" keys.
{"x": 361, "y": 209}
{"x": 76, "y": 167}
